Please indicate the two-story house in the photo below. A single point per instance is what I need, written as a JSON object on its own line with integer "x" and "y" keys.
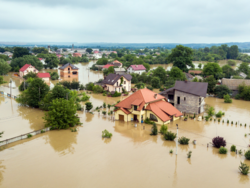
{"x": 187, "y": 96}
{"x": 26, "y": 69}
{"x": 139, "y": 69}
{"x": 116, "y": 82}
{"x": 68, "y": 70}
{"x": 144, "y": 104}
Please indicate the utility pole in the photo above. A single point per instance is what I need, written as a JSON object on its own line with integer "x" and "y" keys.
{"x": 177, "y": 140}
{"x": 10, "y": 87}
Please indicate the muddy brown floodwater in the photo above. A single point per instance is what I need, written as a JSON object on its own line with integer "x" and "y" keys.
{"x": 131, "y": 158}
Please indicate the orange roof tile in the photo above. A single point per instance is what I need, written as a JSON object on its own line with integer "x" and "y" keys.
{"x": 124, "y": 110}
{"x": 137, "y": 102}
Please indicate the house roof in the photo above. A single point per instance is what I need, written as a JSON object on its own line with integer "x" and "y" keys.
{"x": 76, "y": 53}
{"x": 107, "y": 66}
{"x": 25, "y": 67}
{"x": 233, "y": 84}
{"x": 43, "y": 75}
{"x": 116, "y": 61}
{"x": 111, "y": 79}
{"x": 195, "y": 71}
{"x": 194, "y": 88}
{"x": 68, "y": 64}
{"x": 125, "y": 111}
{"x": 137, "y": 67}
{"x": 40, "y": 59}
{"x": 188, "y": 75}
{"x": 119, "y": 69}
{"x": 161, "y": 108}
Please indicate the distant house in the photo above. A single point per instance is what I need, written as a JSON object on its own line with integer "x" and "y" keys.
{"x": 233, "y": 84}
{"x": 120, "y": 70}
{"x": 77, "y": 55}
{"x": 26, "y": 69}
{"x": 115, "y": 52}
{"x": 58, "y": 55}
{"x": 144, "y": 104}
{"x": 107, "y": 66}
{"x": 44, "y": 76}
{"x": 243, "y": 75}
{"x": 68, "y": 70}
{"x": 187, "y": 96}
{"x": 189, "y": 76}
{"x": 42, "y": 60}
{"x": 96, "y": 52}
{"x": 139, "y": 69}
{"x": 113, "y": 83}
{"x": 117, "y": 63}
{"x": 196, "y": 72}
{"x": 97, "y": 56}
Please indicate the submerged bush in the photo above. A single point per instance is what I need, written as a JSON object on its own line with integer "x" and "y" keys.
{"x": 219, "y": 114}
{"x": 227, "y": 99}
{"x": 183, "y": 140}
{"x": 106, "y": 134}
{"x": 189, "y": 154}
{"x": 164, "y": 129}
{"x": 244, "y": 169}
{"x": 170, "y": 135}
{"x": 247, "y": 155}
{"x": 147, "y": 121}
{"x": 223, "y": 150}
{"x": 171, "y": 151}
{"x": 154, "y": 130}
{"x": 29, "y": 135}
{"x": 218, "y": 142}
{"x": 233, "y": 148}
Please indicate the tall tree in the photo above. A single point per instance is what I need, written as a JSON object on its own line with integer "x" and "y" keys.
{"x": 51, "y": 61}
{"x": 233, "y": 52}
{"x": 89, "y": 50}
{"x": 20, "y": 52}
{"x": 177, "y": 74}
{"x": 228, "y": 71}
{"x": 212, "y": 69}
{"x": 160, "y": 73}
{"x": 211, "y": 83}
{"x": 27, "y": 59}
{"x": 181, "y": 56}
{"x": 244, "y": 68}
{"x": 4, "y": 67}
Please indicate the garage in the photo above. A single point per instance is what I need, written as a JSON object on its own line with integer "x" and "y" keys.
{"x": 121, "y": 117}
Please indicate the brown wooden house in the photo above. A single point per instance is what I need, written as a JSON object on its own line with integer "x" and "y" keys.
{"x": 68, "y": 70}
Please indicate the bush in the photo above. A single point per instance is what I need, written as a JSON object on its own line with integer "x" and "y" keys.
{"x": 89, "y": 106}
{"x": 104, "y": 105}
{"x": 104, "y": 113}
{"x": 221, "y": 90}
{"x": 223, "y": 150}
{"x": 73, "y": 130}
{"x": 219, "y": 114}
{"x": 54, "y": 76}
{"x": 233, "y": 148}
{"x": 227, "y": 99}
{"x": 244, "y": 169}
{"x": 210, "y": 111}
{"x": 85, "y": 97}
{"x": 150, "y": 88}
{"x": 106, "y": 134}
{"x": 170, "y": 136}
{"x": 171, "y": 151}
{"x": 116, "y": 94}
{"x": 154, "y": 130}
{"x": 237, "y": 96}
{"x": 189, "y": 154}
{"x": 97, "y": 89}
{"x": 247, "y": 155}
{"x": 42, "y": 131}
{"x": 89, "y": 86}
{"x": 231, "y": 62}
{"x": 218, "y": 142}
{"x": 183, "y": 140}
{"x": 164, "y": 129}
{"x": 147, "y": 121}
{"x": 29, "y": 135}
{"x": 81, "y": 87}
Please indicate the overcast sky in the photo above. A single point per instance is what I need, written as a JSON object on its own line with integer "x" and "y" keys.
{"x": 125, "y": 21}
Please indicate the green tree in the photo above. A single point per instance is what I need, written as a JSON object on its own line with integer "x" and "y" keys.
{"x": 227, "y": 99}
{"x": 1, "y": 80}
{"x": 147, "y": 66}
{"x": 155, "y": 82}
{"x": 212, "y": 69}
{"x": 30, "y": 75}
{"x": 109, "y": 70}
{"x": 4, "y": 57}
{"x": 20, "y": 52}
{"x": 38, "y": 50}
{"x": 27, "y": 59}
{"x": 233, "y": 52}
{"x": 102, "y": 61}
{"x": 65, "y": 61}
{"x": 244, "y": 68}
{"x": 228, "y": 71}
{"x": 61, "y": 114}
{"x": 51, "y": 61}
{"x": 181, "y": 56}
{"x": 140, "y": 85}
{"x": 221, "y": 90}
{"x": 160, "y": 73}
{"x": 34, "y": 94}
{"x": 89, "y": 50}
{"x": 89, "y": 106}
{"x": 211, "y": 83}
{"x": 177, "y": 74}
{"x": 4, "y": 67}
{"x": 97, "y": 89}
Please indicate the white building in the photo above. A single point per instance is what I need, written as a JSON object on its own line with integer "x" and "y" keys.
{"x": 139, "y": 69}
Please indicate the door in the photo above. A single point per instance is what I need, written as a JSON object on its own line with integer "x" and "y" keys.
{"x": 121, "y": 117}
{"x": 135, "y": 117}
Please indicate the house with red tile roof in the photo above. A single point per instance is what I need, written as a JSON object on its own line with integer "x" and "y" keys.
{"x": 44, "y": 76}
{"x": 144, "y": 104}
{"x": 139, "y": 69}
{"x": 117, "y": 63}
{"x": 107, "y": 66}
{"x": 26, "y": 69}
{"x": 77, "y": 55}
{"x": 58, "y": 55}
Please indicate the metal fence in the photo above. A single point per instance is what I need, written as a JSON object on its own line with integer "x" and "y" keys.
{"x": 8, "y": 95}
{"x": 23, "y": 136}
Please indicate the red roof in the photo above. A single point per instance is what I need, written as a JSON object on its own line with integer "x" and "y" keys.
{"x": 24, "y": 67}
{"x": 116, "y": 61}
{"x": 58, "y": 55}
{"x": 40, "y": 59}
{"x": 138, "y": 67}
{"x": 107, "y": 66}
{"x": 159, "y": 107}
{"x": 43, "y": 75}
{"x": 96, "y": 52}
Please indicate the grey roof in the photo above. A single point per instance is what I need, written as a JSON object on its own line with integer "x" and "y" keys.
{"x": 233, "y": 84}
{"x": 69, "y": 64}
{"x": 111, "y": 79}
{"x": 194, "y": 88}
{"x": 188, "y": 75}
{"x": 119, "y": 69}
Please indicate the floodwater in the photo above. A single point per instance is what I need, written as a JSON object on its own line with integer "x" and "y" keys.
{"x": 131, "y": 158}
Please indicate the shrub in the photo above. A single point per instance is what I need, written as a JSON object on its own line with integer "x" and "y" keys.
{"x": 231, "y": 62}
{"x": 183, "y": 140}
{"x": 147, "y": 121}
{"x": 89, "y": 106}
{"x": 247, "y": 155}
{"x": 233, "y": 148}
{"x": 227, "y": 99}
{"x": 219, "y": 114}
{"x": 85, "y": 97}
{"x": 116, "y": 94}
{"x": 227, "y": 121}
{"x": 81, "y": 87}
{"x": 104, "y": 113}
{"x": 109, "y": 106}
{"x": 111, "y": 112}
{"x": 150, "y": 88}
{"x": 237, "y": 96}
{"x": 29, "y": 135}
{"x": 221, "y": 90}
{"x": 232, "y": 122}
{"x": 189, "y": 154}
{"x": 97, "y": 89}
{"x": 170, "y": 136}
{"x": 223, "y": 121}
{"x": 244, "y": 169}
{"x": 42, "y": 131}
{"x": 223, "y": 150}
{"x": 164, "y": 129}
{"x": 207, "y": 118}
{"x": 171, "y": 151}
{"x": 210, "y": 111}
{"x": 218, "y": 142}
{"x": 154, "y": 130}
{"x": 73, "y": 130}
{"x": 104, "y": 105}
{"x": 240, "y": 151}
{"x": 106, "y": 134}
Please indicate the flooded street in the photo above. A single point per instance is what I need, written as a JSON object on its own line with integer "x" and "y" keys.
{"x": 131, "y": 158}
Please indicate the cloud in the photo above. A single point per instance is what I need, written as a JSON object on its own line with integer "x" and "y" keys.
{"x": 133, "y": 21}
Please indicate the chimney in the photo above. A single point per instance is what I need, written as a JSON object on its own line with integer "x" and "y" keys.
{"x": 155, "y": 96}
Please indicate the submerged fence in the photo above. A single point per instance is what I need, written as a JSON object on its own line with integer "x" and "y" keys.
{"x": 23, "y": 136}
{"x": 8, "y": 95}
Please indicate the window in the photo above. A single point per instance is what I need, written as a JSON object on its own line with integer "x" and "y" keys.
{"x": 135, "y": 107}
{"x": 184, "y": 98}
{"x": 124, "y": 82}
{"x": 153, "y": 117}
{"x": 178, "y": 100}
